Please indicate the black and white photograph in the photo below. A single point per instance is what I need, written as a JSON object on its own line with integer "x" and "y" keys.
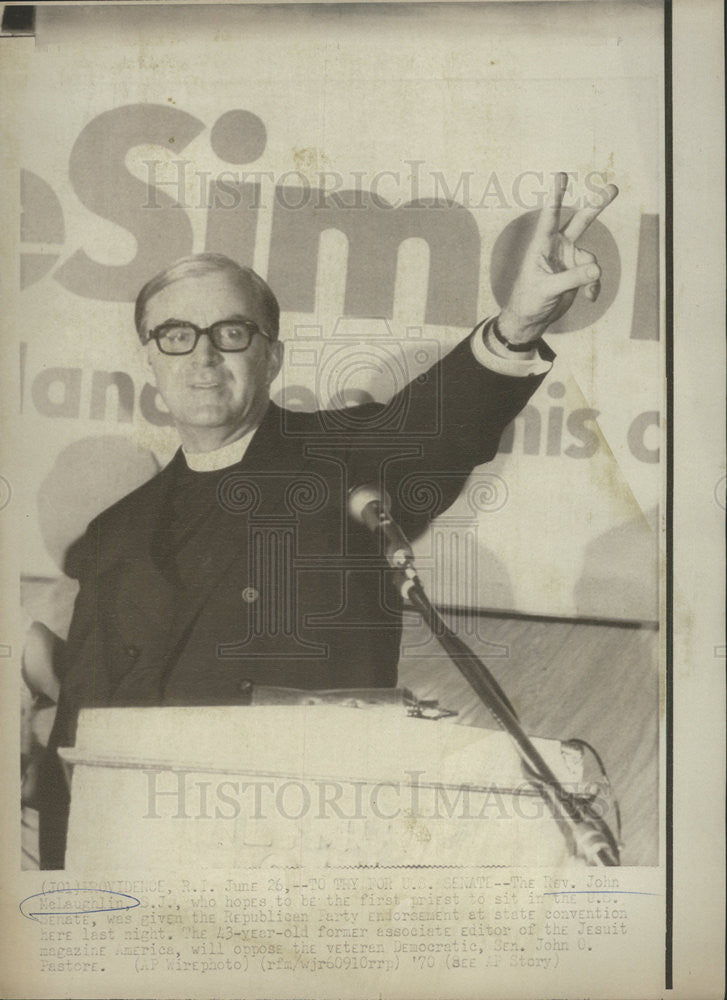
{"x": 338, "y": 497}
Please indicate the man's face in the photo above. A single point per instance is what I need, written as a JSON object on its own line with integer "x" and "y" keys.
{"x": 213, "y": 396}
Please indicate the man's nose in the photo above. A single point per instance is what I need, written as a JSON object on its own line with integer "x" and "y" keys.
{"x": 205, "y": 353}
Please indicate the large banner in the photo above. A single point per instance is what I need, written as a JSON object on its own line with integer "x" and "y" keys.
{"x": 387, "y": 215}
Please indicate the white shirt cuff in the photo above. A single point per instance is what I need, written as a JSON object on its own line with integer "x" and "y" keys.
{"x": 490, "y": 353}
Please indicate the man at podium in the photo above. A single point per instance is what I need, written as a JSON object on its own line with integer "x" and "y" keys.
{"x": 238, "y": 562}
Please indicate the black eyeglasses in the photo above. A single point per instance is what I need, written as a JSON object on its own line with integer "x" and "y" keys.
{"x": 228, "y": 335}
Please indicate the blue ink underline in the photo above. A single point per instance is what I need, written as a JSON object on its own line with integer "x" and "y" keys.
{"x": 599, "y": 892}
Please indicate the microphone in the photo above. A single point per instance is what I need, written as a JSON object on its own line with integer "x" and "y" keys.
{"x": 369, "y": 506}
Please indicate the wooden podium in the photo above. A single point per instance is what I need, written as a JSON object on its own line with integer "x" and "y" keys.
{"x": 304, "y": 785}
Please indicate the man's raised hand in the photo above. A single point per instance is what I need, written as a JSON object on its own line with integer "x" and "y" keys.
{"x": 553, "y": 269}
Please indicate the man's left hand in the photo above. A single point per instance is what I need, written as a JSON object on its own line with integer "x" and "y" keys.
{"x": 553, "y": 269}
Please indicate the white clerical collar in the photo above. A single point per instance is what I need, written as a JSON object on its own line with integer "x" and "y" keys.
{"x": 220, "y": 458}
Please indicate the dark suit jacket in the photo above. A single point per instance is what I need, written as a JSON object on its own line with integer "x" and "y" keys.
{"x": 291, "y": 592}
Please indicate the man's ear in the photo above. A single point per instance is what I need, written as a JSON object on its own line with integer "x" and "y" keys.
{"x": 145, "y": 362}
{"x": 276, "y": 351}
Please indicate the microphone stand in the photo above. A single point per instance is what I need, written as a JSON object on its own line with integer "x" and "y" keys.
{"x": 592, "y": 838}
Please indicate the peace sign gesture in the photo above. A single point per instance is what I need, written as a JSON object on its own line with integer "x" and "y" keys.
{"x": 553, "y": 269}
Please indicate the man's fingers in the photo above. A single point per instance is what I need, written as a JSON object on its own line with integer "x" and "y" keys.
{"x": 574, "y": 277}
{"x": 549, "y": 218}
{"x": 592, "y": 292}
{"x": 585, "y": 216}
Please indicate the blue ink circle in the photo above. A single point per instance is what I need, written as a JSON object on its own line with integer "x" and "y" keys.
{"x": 34, "y": 914}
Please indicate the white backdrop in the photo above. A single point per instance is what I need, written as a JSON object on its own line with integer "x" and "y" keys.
{"x": 295, "y": 144}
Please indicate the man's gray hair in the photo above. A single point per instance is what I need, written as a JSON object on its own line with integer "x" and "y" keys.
{"x": 211, "y": 263}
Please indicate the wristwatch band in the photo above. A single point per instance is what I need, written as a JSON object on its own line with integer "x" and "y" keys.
{"x": 515, "y": 348}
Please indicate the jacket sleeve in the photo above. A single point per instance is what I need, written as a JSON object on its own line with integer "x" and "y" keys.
{"x": 443, "y": 424}
{"x": 53, "y": 791}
